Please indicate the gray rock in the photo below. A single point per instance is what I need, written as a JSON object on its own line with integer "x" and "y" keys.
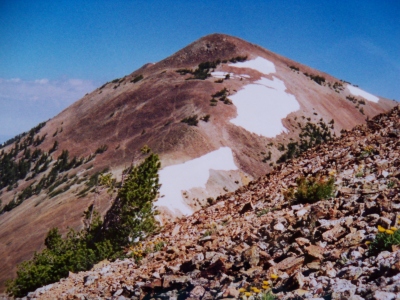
{"x": 90, "y": 279}
{"x": 380, "y": 295}
{"x": 199, "y": 257}
{"x": 280, "y": 227}
{"x": 197, "y": 292}
{"x": 385, "y": 222}
{"x": 343, "y": 289}
{"x": 353, "y": 239}
{"x": 118, "y": 292}
{"x": 356, "y": 297}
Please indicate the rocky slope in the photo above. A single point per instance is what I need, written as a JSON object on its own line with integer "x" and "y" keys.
{"x": 239, "y": 136}
{"x": 255, "y": 234}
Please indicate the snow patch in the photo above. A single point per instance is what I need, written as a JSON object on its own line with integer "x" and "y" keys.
{"x": 259, "y": 64}
{"x": 220, "y": 74}
{"x": 359, "y": 92}
{"x": 190, "y": 174}
{"x": 261, "y": 106}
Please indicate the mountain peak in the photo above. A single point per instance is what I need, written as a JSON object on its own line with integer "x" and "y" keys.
{"x": 210, "y": 48}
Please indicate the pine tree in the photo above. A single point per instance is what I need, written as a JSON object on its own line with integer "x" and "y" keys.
{"x": 132, "y": 216}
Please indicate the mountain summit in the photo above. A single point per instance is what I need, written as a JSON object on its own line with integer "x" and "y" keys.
{"x": 220, "y": 113}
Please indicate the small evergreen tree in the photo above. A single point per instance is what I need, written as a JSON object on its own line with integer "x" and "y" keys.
{"x": 54, "y": 148}
{"x": 132, "y": 216}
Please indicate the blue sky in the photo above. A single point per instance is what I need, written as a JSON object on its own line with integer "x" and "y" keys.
{"x": 53, "y": 52}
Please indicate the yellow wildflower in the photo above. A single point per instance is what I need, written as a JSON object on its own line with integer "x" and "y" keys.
{"x": 248, "y": 294}
{"x": 388, "y": 231}
{"x": 393, "y": 228}
{"x": 265, "y": 287}
{"x": 381, "y": 229}
{"x": 242, "y": 290}
{"x": 369, "y": 148}
{"x": 274, "y": 276}
{"x": 256, "y": 290}
{"x": 368, "y": 242}
{"x": 265, "y": 282}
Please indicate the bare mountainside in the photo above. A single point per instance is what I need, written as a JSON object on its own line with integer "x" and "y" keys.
{"x": 220, "y": 112}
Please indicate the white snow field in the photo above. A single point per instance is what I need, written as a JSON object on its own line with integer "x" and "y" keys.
{"x": 259, "y": 64}
{"x": 190, "y": 174}
{"x": 261, "y": 106}
{"x": 220, "y": 74}
{"x": 359, "y": 92}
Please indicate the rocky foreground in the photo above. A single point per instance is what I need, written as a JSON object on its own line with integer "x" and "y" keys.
{"x": 254, "y": 238}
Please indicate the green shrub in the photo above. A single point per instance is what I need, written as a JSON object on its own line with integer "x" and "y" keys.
{"x": 145, "y": 149}
{"x": 184, "y": 71}
{"x": 313, "y": 189}
{"x": 101, "y": 149}
{"x": 238, "y": 59}
{"x": 54, "y": 148}
{"x": 268, "y": 296}
{"x": 191, "y": 121}
{"x": 213, "y": 102}
{"x": 201, "y": 74}
{"x": 266, "y": 158}
{"x": 137, "y": 78}
{"x": 228, "y": 101}
{"x": 391, "y": 184}
{"x": 220, "y": 93}
{"x": 384, "y": 240}
{"x": 262, "y": 212}
{"x": 281, "y": 147}
{"x": 205, "y": 118}
{"x": 352, "y": 99}
{"x": 290, "y": 153}
{"x": 318, "y": 79}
